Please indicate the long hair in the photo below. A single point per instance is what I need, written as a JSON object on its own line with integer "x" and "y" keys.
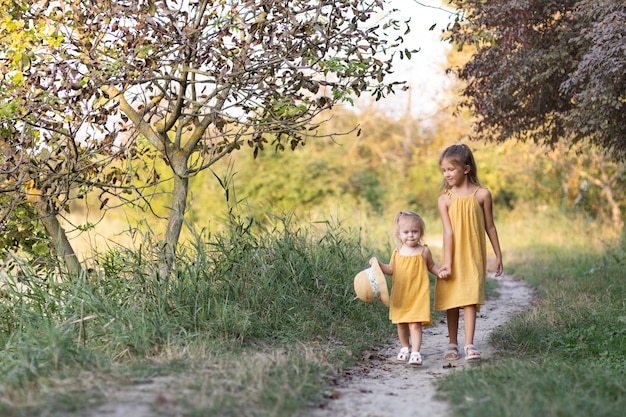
{"x": 460, "y": 155}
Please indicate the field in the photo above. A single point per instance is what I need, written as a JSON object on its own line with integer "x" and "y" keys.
{"x": 254, "y": 321}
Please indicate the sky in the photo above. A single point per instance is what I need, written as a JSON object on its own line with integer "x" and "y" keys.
{"x": 424, "y": 72}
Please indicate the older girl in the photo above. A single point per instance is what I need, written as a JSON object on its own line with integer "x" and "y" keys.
{"x": 466, "y": 213}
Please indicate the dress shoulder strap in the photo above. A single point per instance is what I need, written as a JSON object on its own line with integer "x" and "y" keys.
{"x": 476, "y": 190}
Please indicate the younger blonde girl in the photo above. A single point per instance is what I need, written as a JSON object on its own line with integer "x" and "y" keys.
{"x": 409, "y": 302}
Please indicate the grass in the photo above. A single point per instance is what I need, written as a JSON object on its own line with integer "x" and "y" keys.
{"x": 251, "y": 320}
{"x": 550, "y": 388}
{"x": 566, "y": 356}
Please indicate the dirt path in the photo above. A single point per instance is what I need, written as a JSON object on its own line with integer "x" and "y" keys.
{"x": 378, "y": 387}
{"x": 381, "y": 387}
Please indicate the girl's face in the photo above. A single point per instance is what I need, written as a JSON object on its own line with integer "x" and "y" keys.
{"x": 453, "y": 173}
{"x": 409, "y": 232}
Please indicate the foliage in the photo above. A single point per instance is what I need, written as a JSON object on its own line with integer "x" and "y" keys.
{"x": 51, "y": 153}
{"x": 546, "y": 70}
{"x": 21, "y": 233}
{"x": 369, "y": 177}
{"x": 197, "y": 80}
{"x": 380, "y": 171}
{"x": 596, "y": 185}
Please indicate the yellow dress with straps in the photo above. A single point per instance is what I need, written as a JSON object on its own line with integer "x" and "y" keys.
{"x": 466, "y": 285}
{"x": 409, "y": 301}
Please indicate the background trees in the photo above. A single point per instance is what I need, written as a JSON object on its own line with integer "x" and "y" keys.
{"x": 546, "y": 70}
{"x": 194, "y": 81}
{"x": 126, "y": 102}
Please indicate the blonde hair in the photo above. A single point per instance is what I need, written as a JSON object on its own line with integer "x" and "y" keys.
{"x": 460, "y": 155}
{"x": 411, "y": 215}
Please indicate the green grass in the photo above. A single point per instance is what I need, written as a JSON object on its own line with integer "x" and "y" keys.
{"x": 250, "y": 320}
{"x": 566, "y": 356}
{"x": 253, "y": 321}
{"x": 520, "y": 388}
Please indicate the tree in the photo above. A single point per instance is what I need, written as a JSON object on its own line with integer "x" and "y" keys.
{"x": 198, "y": 80}
{"x": 548, "y": 71}
{"x": 607, "y": 177}
{"x": 57, "y": 140}
{"x": 34, "y": 183}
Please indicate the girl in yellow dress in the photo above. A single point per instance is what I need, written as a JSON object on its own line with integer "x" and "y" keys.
{"x": 466, "y": 213}
{"x": 409, "y": 302}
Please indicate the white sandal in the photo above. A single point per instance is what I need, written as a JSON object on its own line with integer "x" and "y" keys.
{"x": 471, "y": 353}
{"x": 415, "y": 359}
{"x": 403, "y": 356}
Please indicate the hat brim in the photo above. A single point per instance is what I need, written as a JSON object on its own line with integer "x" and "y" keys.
{"x": 382, "y": 284}
{"x": 370, "y": 285}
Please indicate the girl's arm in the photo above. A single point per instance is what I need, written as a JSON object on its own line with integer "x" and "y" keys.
{"x": 430, "y": 264}
{"x": 387, "y": 269}
{"x": 490, "y": 227}
{"x": 448, "y": 238}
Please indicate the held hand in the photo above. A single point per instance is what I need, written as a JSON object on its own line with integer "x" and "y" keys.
{"x": 373, "y": 260}
{"x": 444, "y": 272}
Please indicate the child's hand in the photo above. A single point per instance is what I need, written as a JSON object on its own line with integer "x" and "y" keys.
{"x": 444, "y": 272}
{"x": 373, "y": 260}
{"x": 499, "y": 268}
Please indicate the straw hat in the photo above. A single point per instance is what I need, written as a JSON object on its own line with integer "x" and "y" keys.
{"x": 370, "y": 285}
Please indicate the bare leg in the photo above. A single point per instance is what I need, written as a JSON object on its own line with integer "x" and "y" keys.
{"x": 403, "y": 334}
{"x": 453, "y": 324}
{"x": 416, "y": 336}
{"x": 469, "y": 319}
{"x": 469, "y": 322}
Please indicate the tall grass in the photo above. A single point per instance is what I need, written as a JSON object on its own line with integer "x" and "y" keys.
{"x": 566, "y": 356}
{"x": 234, "y": 300}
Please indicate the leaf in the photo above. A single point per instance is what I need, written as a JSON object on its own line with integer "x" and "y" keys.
{"x": 18, "y": 78}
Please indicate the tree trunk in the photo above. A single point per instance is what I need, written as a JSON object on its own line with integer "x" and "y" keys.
{"x": 57, "y": 234}
{"x": 606, "y": 183}
{"x": 174, "y": 223}
{"x": 616, "y": 212}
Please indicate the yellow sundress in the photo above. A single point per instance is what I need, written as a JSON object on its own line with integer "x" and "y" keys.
{"x": 409, "y": 301}
{"x": 466, "y": 285}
